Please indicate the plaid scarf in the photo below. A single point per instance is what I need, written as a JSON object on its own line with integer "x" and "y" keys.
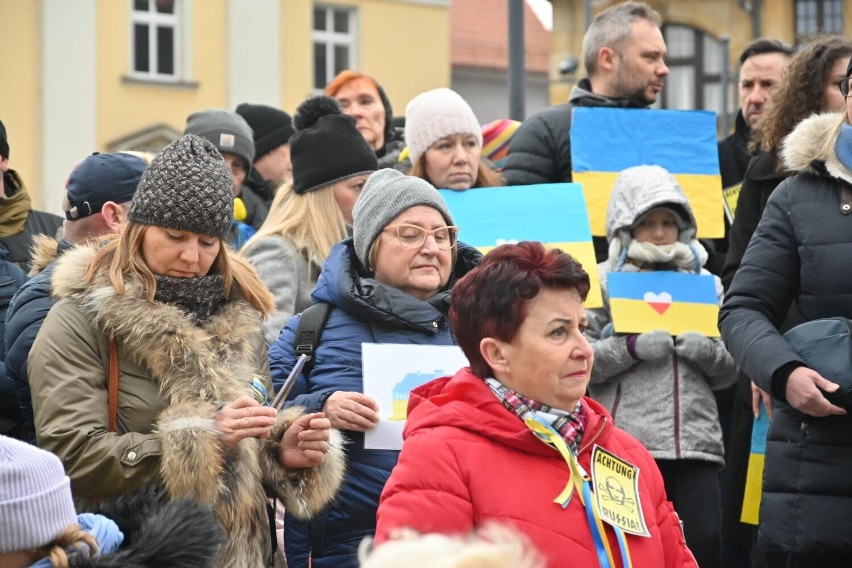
{"x": 570, "y": 425}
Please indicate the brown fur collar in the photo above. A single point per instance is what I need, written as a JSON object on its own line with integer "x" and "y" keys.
{"x": 807, "y": 145}
{"x": 43, "y": 251}
{"x": 199, "y": 369}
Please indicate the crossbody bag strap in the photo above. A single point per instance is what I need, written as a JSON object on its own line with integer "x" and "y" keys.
{"x": 112, "y": 385}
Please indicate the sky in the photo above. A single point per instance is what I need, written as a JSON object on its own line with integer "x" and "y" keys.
{"x": 544, "y": 10}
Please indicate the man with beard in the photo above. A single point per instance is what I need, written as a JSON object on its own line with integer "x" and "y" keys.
{"x": 624, "y": 55}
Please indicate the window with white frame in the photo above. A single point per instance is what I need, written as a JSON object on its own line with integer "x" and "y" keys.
{"x": 335, "y": 39}
{"x": 156, "y": 39}
{"x": 818, "y": 17}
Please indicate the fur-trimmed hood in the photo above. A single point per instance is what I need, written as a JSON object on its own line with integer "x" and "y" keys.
{"x": 805, "y": 148}
{"x": 197, "y": 369}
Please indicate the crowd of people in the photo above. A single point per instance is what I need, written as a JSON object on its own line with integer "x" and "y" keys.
{"x": 154, "y": 410}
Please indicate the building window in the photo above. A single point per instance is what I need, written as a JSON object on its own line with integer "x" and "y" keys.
{"x": 334, "y": 37}
{"x": 818, "y": 17}
{"x": 156, "y": 39}
{"x": 695, "y": 61}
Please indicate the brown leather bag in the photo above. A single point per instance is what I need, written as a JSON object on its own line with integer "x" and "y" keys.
{"x": 112, "y": 386}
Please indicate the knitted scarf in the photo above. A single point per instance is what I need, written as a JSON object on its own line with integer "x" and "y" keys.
{"x": 843, "y": 146}
{"x": 677, "y": 256}
{"x": 570, "y": 425}
{"x": 198, "y": 297}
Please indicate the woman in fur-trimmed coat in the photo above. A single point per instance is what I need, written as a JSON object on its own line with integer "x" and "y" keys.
{"x": 185, "y": 314}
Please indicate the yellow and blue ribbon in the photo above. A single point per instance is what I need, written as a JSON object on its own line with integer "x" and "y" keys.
{"x": 579, "y": 480}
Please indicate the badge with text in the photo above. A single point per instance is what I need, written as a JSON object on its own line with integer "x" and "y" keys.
{"x": 616, "y": 485}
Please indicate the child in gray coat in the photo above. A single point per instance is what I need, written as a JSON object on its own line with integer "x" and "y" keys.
{"x": 658, "y": 387}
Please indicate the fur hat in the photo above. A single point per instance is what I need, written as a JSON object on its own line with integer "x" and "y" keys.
{"x": 101, "y": 178}
{"x": 226, "y": 130}
{"x": 272, "y": 127}
{"x": 435, "y": 114}
{"x": 35, "y": 497}
{"x": 187, "y": 187}
{"x": 386, "y": 194}
{"x": 327, "y": 147}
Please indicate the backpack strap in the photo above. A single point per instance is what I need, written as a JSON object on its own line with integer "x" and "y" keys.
{"x": 112, "y": 386}
{"x": 309, "y": 330}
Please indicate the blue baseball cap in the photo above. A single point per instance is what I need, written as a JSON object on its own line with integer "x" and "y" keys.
{"x": 101, "y": 178}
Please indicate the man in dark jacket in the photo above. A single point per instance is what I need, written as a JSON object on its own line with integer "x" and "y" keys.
{"x": 624, "y": 54}
{"x": 96, "y": 202}
{"x": 762, "y": 65}
{"x": 272, "y": 130}
{"x": 18, "y": 222}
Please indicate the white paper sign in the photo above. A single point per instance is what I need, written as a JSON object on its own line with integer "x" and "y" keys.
{"x": 391, "y": 371}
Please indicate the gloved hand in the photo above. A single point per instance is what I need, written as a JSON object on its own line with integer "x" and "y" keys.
{"x": 653, "y": 345}
{"x": 695, "y": 346}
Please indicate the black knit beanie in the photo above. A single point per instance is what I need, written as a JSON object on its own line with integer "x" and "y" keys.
{"x": 272, "y": 127}
{"x": 327, "y": 147}
{"x": 187, "y": 187}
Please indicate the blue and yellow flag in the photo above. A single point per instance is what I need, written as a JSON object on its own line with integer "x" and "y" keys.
{"x": 554, "y": 214}
{"x": 675, "y": 301}
{"x": 605, "y": 141}
{"x": 754, "y": 476}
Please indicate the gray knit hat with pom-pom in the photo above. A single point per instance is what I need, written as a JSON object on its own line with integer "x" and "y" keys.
{"x": 187, "y": 187}
{"x": 327, "y": 147}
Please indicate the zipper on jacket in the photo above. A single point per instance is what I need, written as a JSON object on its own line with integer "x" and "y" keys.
{"x": 597, "y": 435}
{"x": 616, "y": 401}
{"x": 676, "y": 406}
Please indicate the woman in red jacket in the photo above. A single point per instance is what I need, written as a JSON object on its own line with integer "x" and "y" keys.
{"x": 512, "y": 438}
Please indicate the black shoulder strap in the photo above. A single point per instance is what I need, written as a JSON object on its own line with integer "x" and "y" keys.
{"x": 309, "y": 330}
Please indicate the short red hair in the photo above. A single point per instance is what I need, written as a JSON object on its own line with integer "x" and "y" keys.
{"x": 345, "y": 77}
{"x": 490, "y": 300}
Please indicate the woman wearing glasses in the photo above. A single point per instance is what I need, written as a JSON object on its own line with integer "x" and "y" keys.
{"x": 798, "y": 252}
{"x": 389, "y": 283}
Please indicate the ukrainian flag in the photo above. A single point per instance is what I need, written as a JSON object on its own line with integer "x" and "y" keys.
{"x": 554, "y": 214}
{"x": 754, "y": 476}
{"x": 605, "y": 141}
{"x": 675, "y": 301}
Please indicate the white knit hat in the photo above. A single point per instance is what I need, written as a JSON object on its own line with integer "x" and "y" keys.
{"x": 35, "y": 497}
{"x": 435, "y": 114}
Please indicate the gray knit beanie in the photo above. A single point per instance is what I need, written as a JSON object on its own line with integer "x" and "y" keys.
{"x": 226, "y": 130}
{"x": 35, "y": 497}
{"x": 187, "y": 187}
{"x": 386, "y": 194}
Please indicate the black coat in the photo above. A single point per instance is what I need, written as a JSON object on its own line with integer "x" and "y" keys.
{"x": 761, "y": 179}
{"x": 798, "y": 252}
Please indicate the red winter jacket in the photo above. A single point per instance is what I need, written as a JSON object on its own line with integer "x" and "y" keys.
{"x": 467, "y": 460}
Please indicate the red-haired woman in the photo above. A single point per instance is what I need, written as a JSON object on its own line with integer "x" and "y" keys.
{"x": 512, "y": 438}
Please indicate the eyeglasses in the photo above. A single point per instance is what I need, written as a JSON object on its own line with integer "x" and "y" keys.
{"x": 413, "y": 236}
{"x": 844, "y": 86}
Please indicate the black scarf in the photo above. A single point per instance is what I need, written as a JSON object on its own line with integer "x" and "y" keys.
{"x": 198, "y": 297}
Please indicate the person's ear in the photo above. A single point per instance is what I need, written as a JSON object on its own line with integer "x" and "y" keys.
{"x": 494, "y": 353}
{"x": 114, "y": 216}
{"x": 607, "y": 59}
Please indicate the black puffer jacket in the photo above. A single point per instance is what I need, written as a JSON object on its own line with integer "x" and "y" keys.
{"x": 798, "y": 252}
{"x": 540, "y": 151}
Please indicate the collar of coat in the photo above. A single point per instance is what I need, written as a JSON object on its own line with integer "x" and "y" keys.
{"x": 161, "y": 336}
{"x": 805, "y": 148}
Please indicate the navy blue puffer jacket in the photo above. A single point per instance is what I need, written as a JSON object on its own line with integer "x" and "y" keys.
{"x": 363, "y": 310}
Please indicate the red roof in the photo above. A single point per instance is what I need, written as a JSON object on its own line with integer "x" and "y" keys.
{"x": 479, "y": 32}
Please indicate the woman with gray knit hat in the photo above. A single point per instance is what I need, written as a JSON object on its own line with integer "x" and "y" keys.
{"x": 657, "y": 387}
{"x": 389, "y": 283}
{"x": 331, "y": 163}
{"x": 151, "y": 368}
{"x": 445, "y": 142}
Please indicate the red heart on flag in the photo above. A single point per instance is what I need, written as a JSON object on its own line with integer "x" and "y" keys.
{"x": 660, "y": 302}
